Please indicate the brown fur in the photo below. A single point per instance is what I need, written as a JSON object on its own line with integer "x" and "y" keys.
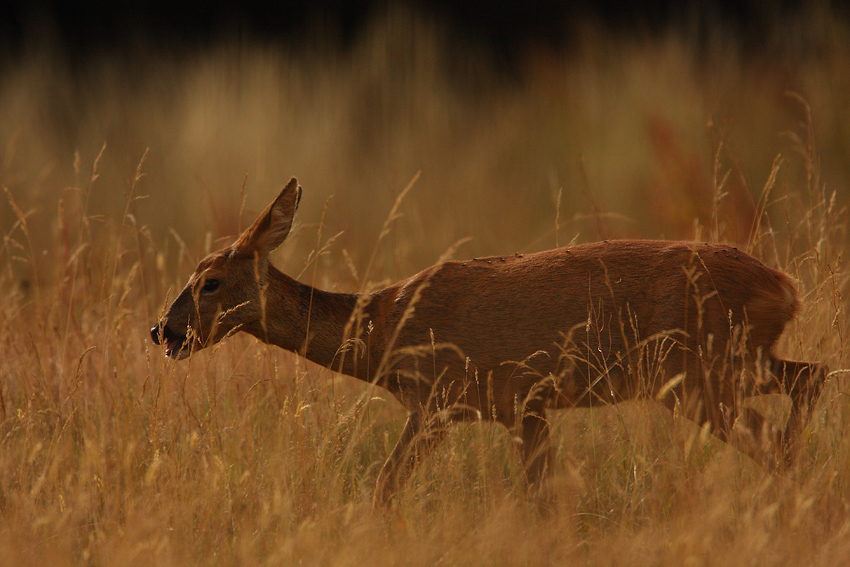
{"x": 509, "y": 337}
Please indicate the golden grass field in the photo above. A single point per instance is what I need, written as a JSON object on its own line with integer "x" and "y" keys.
{"x": 119, "y": 176}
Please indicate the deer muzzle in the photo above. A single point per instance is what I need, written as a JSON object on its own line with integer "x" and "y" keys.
{"x": 174, "y": 342}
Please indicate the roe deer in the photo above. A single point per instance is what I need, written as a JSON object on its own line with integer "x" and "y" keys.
{"x": 508, "y": 338}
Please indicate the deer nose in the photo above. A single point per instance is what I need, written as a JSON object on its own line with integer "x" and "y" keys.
{"x": 155, "y": 332}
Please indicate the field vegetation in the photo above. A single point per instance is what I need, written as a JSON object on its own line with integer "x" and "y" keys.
{"x": 120, "y": 174}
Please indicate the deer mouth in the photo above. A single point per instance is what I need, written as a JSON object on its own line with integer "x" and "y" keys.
{"x": 175, "y": 343}
{"x": 174, "y": 348}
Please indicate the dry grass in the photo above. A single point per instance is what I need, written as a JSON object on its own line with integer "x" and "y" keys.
{"x": 244, "y": 454}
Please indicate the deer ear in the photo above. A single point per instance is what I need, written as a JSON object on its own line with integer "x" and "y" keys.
{"x": 273, "y": 225}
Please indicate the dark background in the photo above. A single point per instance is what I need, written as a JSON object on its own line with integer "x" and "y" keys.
{"x": 504, "y": 28}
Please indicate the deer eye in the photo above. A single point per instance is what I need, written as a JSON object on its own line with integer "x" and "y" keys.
{"x": 210, "y": 286}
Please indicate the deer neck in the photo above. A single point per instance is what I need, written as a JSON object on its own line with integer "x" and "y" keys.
{"x": 325, "y": 327}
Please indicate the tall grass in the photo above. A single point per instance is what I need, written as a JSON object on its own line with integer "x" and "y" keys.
{"x": 244, "y": 454}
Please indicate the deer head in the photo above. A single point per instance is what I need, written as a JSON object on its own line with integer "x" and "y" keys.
{"x": 226, "y": 293}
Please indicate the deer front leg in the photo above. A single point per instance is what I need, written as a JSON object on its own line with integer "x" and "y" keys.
{"x": 417, "y": 440}
{"x": 537, "y": 456}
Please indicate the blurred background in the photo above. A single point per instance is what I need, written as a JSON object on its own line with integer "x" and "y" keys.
{"x": 532, "y": 124}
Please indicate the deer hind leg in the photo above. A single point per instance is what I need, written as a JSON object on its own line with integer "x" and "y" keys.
{"x": 803, "y": 382}
{"x": 418, "y": 439}
{"x": 719, "y": 403}
{"x": 745, "y": 428}
{"x": 758, "y": 438}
